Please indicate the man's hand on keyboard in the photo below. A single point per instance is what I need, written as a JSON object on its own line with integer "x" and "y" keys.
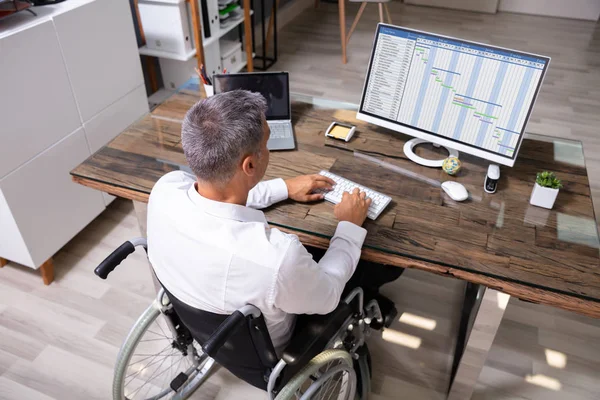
{"x": 302, "y": 188}
{"x": 353, "y": 207}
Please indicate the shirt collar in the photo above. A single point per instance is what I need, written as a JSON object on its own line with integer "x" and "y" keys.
{"x": 225, "y": 210}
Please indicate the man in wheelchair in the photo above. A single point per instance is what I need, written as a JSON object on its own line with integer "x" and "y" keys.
{"x": 285, "y": 318}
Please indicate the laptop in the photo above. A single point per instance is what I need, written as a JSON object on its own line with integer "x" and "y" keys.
{"x": 275, "y": 88}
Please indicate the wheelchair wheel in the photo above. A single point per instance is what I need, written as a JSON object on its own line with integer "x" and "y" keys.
{"x": 363, "y": 371}
{"x": 155, "y": 363}
{"x": 329, "y": 375}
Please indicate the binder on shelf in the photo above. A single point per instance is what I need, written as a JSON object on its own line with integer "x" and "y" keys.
{"x": 210, "y": 18}
{"x": 205, "y": 18}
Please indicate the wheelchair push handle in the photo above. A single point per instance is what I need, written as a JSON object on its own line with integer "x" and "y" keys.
{"x": 228, "y": 328}
{"x": 116, "y": 257}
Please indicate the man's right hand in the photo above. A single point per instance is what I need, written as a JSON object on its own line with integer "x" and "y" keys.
{"x": 353, "y": 207}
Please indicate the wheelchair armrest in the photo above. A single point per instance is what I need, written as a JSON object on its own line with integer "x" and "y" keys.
{"x": 228, "y": 328}
{"x": 116, "y": 257}
{"x": 223, "y": 332}
{"x": 313, "y": 338}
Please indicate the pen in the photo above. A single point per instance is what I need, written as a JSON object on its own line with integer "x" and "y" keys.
{"x": 200, "y": 75}
{"x": 206, "y": 78}
{"x": 203, "y": 71}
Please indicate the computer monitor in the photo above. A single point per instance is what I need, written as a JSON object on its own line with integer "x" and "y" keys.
{"x": 467, "y": 96}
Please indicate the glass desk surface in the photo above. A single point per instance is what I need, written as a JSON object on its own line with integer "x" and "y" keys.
{"x": 497, "y": 236}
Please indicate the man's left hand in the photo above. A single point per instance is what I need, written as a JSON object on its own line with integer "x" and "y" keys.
{"x": 301, "y": 188}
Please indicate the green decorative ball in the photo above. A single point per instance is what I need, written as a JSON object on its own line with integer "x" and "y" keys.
{"x": 451, "y": 165}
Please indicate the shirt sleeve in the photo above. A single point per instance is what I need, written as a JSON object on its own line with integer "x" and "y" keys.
{"x": 304, "y": 286}
{"x": 267, "y": 193}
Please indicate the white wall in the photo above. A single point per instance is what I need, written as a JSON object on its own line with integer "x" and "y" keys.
{"x": 580, "y": 9}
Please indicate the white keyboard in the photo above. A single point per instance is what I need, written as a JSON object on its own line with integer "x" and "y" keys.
{"x": 379, "y": 201}
{"x": 281, "y": 130}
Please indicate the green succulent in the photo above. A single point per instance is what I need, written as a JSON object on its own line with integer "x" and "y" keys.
{"x": 548, "y": 179}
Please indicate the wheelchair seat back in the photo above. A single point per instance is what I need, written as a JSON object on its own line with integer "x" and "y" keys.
{"x": 248, "y": 353}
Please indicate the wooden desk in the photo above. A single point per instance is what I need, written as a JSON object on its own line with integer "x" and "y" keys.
{"x": 498, "y": 241}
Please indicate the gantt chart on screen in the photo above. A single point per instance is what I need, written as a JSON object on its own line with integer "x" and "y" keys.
{"x": 473, "y": 94}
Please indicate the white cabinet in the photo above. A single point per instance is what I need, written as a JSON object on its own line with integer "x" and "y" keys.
{"x": 49, "y": 209}
{"x": 12, "y": 245}
{"x": 70, "y": 81}
{"x": 100, "y": 51}
{"x": 37, "y": 107}
{"x": 114, "y": 119}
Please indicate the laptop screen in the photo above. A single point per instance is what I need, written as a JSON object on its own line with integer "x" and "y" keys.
{"x": 274, "y": 86}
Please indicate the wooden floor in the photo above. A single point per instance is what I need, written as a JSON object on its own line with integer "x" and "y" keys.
{"x": 60, "y": 342}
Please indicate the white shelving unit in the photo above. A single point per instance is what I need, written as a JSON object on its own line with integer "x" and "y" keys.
{"x": 169, "y": 35}
{"x": 145, "y": 51}
{"x": 241, "y": 65}
{"x": 224, "y": 31}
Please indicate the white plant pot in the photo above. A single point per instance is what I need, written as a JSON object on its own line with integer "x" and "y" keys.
{"x": 543, "y": 196}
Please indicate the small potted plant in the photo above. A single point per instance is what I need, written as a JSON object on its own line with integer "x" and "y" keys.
{"x": 545, "y": 190}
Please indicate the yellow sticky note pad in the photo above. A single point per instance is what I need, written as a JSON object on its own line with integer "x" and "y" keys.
{"x": 340, "y": 131}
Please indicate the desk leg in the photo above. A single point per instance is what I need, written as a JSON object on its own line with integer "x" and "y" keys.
{"x": 482, "y": 312}
{"x": 342, "y": 12}
{"x": 141, "y": 212}
{"x": 271, "y": 26}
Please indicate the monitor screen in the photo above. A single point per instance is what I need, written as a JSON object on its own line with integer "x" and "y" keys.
{"x": 474, "y": 97}
{"x": 274, "y": 86}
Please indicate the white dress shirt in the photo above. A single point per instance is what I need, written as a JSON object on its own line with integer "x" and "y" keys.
{"x": 219, "y": 256}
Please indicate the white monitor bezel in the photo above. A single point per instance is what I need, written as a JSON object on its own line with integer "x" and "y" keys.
{"x": 408, "y": 130}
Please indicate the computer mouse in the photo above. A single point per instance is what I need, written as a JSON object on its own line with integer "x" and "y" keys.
{"x": 455, "y": 190}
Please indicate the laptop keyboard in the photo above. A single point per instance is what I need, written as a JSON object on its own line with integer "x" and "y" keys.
{"x": 281, "y": 131}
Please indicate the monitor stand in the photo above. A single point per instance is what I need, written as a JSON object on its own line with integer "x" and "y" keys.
{"x": 408, "y": 151}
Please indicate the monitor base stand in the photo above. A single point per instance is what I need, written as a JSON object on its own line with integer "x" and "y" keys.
{"x": 408, "y": 151}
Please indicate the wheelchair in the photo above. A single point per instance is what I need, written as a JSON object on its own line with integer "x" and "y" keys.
{"x": 173, "y": 349}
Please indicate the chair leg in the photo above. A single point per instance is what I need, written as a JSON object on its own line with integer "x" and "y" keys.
{"x": 3, "y": 262}
{"x": 381, "y": 13}
{"x": 47, "y": 270}
{"x": 342, "y": 15}
{"x": 387, "y": 12}
{"x": 271, "y": 25}
{"x": 356, "y": 19}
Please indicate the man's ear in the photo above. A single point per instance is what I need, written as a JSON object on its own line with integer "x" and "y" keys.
{"x": 249, "y": 165}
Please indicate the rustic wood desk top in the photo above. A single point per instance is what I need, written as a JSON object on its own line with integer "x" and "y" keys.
{"x": 498, "y": 240}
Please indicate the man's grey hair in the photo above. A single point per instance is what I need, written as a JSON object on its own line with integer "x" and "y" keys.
{"x": 219, "y": 130}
